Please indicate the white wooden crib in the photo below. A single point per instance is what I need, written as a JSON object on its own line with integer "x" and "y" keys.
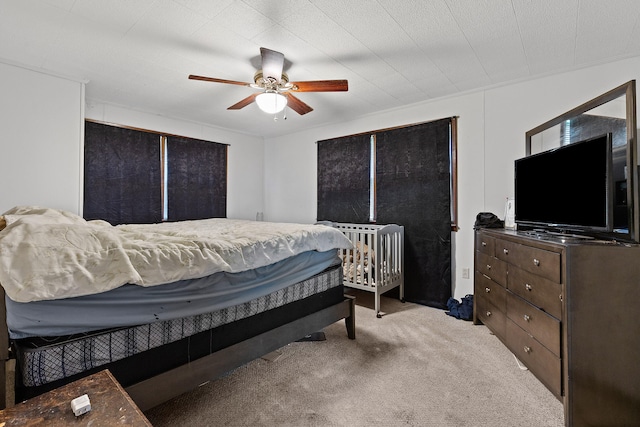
{"x": 376, "y": 261}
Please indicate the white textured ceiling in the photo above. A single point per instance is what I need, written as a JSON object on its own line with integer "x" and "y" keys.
{"x": 138, "y": 53}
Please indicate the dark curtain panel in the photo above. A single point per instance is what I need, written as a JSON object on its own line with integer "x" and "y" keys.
{"x": 413, "y": 190}
{"x": 196, "y": 179}
{"x": 586, "y": 126}
{"x": 122, "y": 179}
{"x": 343, "y": 179}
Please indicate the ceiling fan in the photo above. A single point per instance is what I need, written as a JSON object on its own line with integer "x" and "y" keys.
{"x": 275, "y": 88}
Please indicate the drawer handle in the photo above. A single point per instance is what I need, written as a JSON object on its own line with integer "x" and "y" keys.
{"x": 488, "y": 266}
{"x": 488, "y": 313}
{"x": 527, "y": 349}
{"x": 528, "y": 287}
{"x": 526, "y": 317}
{"x": 506, "y": 251}
{"x": 484, "y": 243}
{"x": 536, "y": 262}
{"x": 487, "y": 290}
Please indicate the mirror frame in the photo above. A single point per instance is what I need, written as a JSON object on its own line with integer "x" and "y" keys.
{"x": 629, "y": 90}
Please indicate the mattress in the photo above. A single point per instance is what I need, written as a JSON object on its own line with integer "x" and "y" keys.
{"x": 48, "y": 254}
{"x": 45, "y": 360}
{"x": 132, "y": 305}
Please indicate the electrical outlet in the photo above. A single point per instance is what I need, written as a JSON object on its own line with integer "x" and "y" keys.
{"x": 465, "y": 273}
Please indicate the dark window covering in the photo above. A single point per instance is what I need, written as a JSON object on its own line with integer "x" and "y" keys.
{"x": 413, "y": 188}
{"x": 343, "y": 179}
{"x": 196, "y": 179}
{"x": 122, "y": 175}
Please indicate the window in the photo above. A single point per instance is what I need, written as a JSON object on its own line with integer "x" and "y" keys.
{"x": 567, "y": 133}
{"x": 344, "y": 179}
{"x": 348, "y": 166}
{"x": 405, "y": 176}
{"x": 137, "y": 176}
{"x": 196, "y": 179}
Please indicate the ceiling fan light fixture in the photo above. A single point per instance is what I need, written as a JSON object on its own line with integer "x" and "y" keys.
{"x": 271, "y": 102}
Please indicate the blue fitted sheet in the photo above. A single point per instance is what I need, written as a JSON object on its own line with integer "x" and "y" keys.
{"x": 131, "y": 305}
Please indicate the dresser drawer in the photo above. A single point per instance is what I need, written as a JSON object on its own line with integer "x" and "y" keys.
{"x": 541, "y": 362}
{"x": 490, "y": 316}
{"x": 495, "y": 293}
{"x": 491, "y": 267}
{"x": 545, "y": 328}
{"x": 534, "y": 260}
{"x": 485, "y": 244}
{"x": 541, "y": 292}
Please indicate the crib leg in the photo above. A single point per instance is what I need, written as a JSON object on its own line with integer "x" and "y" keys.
{"x": 378, "y": 315}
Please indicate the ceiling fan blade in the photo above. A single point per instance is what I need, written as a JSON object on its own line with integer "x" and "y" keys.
{"x": 272, "y": 63}
{"x": 322, "y": 86}
{"x": 243, "y": 103}
{"x": 212, "y": 79}
{"x": 297, "y": 105}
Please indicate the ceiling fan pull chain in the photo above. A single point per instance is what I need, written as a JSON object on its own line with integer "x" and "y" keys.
{"x": 284, "y": 115}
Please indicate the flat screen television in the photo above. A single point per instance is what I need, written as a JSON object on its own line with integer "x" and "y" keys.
{"x": 567, "y": 189}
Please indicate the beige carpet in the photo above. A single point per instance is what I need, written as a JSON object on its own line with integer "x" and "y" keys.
{"x": 415, "y": 366}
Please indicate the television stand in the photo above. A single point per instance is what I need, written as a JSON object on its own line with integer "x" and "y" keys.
{"x": 562, "y": 306}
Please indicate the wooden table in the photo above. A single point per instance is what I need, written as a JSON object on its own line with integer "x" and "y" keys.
{"x": 110, "y": 405}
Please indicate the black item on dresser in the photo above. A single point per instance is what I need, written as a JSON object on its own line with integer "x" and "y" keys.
{"x": 487, "y": 220}
{"x": 557, "y": 302}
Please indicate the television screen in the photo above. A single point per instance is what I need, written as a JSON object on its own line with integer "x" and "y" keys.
{"x": 567, "y": 187}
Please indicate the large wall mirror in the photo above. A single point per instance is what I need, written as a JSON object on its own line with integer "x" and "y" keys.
{"x": 611, "y": 113}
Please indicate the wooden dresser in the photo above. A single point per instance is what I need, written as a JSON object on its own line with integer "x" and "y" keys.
{"x": 566, "y": 307}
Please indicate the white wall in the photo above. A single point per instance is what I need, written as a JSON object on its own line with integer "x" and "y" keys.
{"x": 492, "y": 125}
{"x": 41, "y": 127}
{"x": 245, "y": 192}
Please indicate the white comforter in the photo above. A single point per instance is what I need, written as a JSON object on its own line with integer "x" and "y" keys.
{"x": 50, "y": 254}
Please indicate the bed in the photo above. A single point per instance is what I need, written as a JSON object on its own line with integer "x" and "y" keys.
{"x": 165, "y": 307}
{"x": 375, "y": 260}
